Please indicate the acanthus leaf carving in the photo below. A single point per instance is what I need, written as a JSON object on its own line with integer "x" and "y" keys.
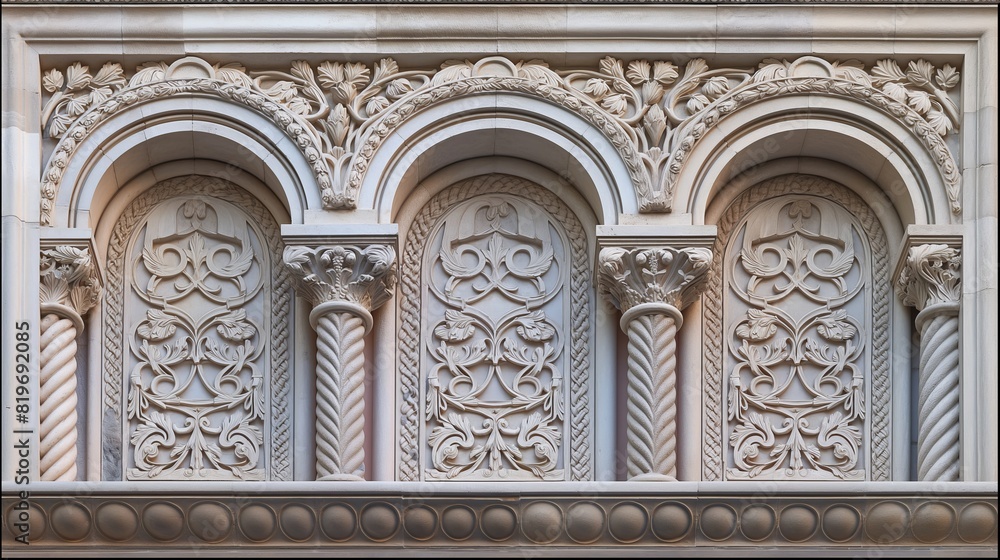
{"x": 932, "y": 275}
{"x": 338, "y": 113}
{"x": 69, "y": 278}
{"x": 632, "y": 277}
{"x": 360, "y": 275}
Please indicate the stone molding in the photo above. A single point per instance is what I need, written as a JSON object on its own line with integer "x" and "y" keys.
{"x": 653, "y": 112}
{"x": 901, "y": 519}
{"x": 488, "y": 2}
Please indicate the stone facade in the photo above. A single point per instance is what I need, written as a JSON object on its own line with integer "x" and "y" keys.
{"x": 571, "y": 278}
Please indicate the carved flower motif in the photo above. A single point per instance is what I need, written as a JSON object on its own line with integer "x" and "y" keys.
{"x": 760, "y": 326}
{"x": 456, "y": 327}
{"x": 836, "y": 327}
{"x": 534, "y": 327}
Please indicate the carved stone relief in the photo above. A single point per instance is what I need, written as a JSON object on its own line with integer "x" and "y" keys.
{"x": 198, "y": 303}
{"x": 653, "y": 112}
{"x": 796, "y": 327}
{"x": 495, "y": 365}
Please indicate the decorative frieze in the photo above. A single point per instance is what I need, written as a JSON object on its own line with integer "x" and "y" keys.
{"x": 653, "y": 111}
{"x": 930, "y": 279}
{"x": 69, "y": 286}
{"x": 344, "y": 283}
{"x": 651, "y": 287}
{"x": 634, "y": 519}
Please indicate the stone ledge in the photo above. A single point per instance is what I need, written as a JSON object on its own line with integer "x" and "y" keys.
{"x": 887, "y": 518}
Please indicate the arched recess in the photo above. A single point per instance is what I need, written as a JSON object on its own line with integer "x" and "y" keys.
{"x": 838, "y": 239}
{"x": 921, "y": 187}
{"x": 509, "y": 125}
{"x": 92, "y": 163}
{"x": 195, "y": 338}
{"x": 533, "y": 315}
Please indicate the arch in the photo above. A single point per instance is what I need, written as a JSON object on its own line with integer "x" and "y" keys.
{"x": 581, "y": 146}
{"x": 142, "y": 126}
{"x": 901, "y": 154}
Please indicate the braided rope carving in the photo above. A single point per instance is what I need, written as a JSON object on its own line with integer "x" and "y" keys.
{"x": 340, "y": 396}
{"x": 880, "y": 442}
{"x": 581, "y": 432}
{"x": 57, "y": 398}
{"x": 279, "y": 422}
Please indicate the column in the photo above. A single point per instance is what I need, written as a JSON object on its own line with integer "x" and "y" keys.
{"x": 69, "y": 286}
{"x": 344, "y": 284}
{"x": 930, "y": 280}
{"x": 650, "y": 286}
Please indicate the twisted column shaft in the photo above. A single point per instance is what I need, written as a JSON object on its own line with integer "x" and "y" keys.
{"x": 938, "y": 404}
{"x": 340, "y": 397}
{"x": 57, "y": 399}
{"x": 652, "y": 397}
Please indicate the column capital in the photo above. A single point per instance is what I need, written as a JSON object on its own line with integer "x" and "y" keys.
{"x": 930, "y": 274}
{"x": 355, "y": 274}
{"x": 69, "y": 282}
{"x": 664, "y": 275}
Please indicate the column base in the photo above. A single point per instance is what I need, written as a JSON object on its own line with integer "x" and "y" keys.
{"x": 340, "y": 477}
{"x": 653, "y": 477}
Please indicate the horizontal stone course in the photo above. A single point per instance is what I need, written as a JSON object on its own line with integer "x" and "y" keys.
{"x": 398, "y": 518}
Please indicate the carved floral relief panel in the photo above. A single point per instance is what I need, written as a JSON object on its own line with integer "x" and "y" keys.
{"x": 198, "y": 375}
{"x": 499, "y": 353}
{"x": 798, "y": 320}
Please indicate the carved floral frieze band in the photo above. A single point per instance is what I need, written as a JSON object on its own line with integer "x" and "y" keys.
{"x": 653, "y": 112}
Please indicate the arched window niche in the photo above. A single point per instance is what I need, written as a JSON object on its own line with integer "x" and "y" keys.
{"x": 495, "y": 364}
{"x": 797, "y": 331}
{"x": 196, "y": 338}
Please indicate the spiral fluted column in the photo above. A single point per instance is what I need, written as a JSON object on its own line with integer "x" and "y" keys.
{"x": 68, "y": 288}
{"x": 930, "y": 280}
{"x": 650, "y": 287}
{"x": 344, "y": 284}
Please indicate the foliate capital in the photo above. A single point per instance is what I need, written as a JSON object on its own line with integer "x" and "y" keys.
{"x": 69, "y": 282}
{"x": 667, "y": 275}
{"x": 343, "y": 273}
{"x": 932, "y": 274}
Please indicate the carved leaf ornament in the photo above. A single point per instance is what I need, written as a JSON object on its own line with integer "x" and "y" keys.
{"x": 653, "y": 112}
{"x": 196, "y": 399}
{"x": 798, "y": 293}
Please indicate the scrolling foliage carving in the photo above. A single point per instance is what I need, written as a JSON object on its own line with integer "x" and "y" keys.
{"x": 196, "y": 391}
{"x": 797, "y": 339}
{"x": 653, "y": 112}
{"x": 196, "y": 337}
{"x": 494, "y": 395}
{"x": 494, "y": 307}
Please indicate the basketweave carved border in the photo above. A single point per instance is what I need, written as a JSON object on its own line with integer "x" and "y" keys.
{"x": 279, "y": 456}
{"x": 409, "y": 374}
{"x": 654, "y": 113}
{"x": 714, "y": 450}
